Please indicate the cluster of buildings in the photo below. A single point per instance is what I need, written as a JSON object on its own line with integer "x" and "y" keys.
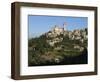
{"x": 56, "y": 31}
{"x": 79, "y": 34}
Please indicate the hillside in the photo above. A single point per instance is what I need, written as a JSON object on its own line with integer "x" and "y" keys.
{"x": 58, "y": 47}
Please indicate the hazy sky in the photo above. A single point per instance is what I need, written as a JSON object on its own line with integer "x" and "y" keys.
{"x": 41, "y": 24}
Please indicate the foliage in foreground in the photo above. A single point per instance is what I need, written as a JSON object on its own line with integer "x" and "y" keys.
{"x": 62, "y": 53}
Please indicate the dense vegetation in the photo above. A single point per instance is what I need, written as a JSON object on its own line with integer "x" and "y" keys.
{"x": 62, "y": 53}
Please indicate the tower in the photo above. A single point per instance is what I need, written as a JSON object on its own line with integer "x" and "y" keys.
{"x": 64, "y": 26}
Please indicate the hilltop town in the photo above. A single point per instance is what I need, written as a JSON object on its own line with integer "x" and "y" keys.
{"x": 59, "y": 46}
{"x": 77, "y": 34}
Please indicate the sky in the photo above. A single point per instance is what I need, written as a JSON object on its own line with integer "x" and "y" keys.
{"x": 38, "y": 25}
